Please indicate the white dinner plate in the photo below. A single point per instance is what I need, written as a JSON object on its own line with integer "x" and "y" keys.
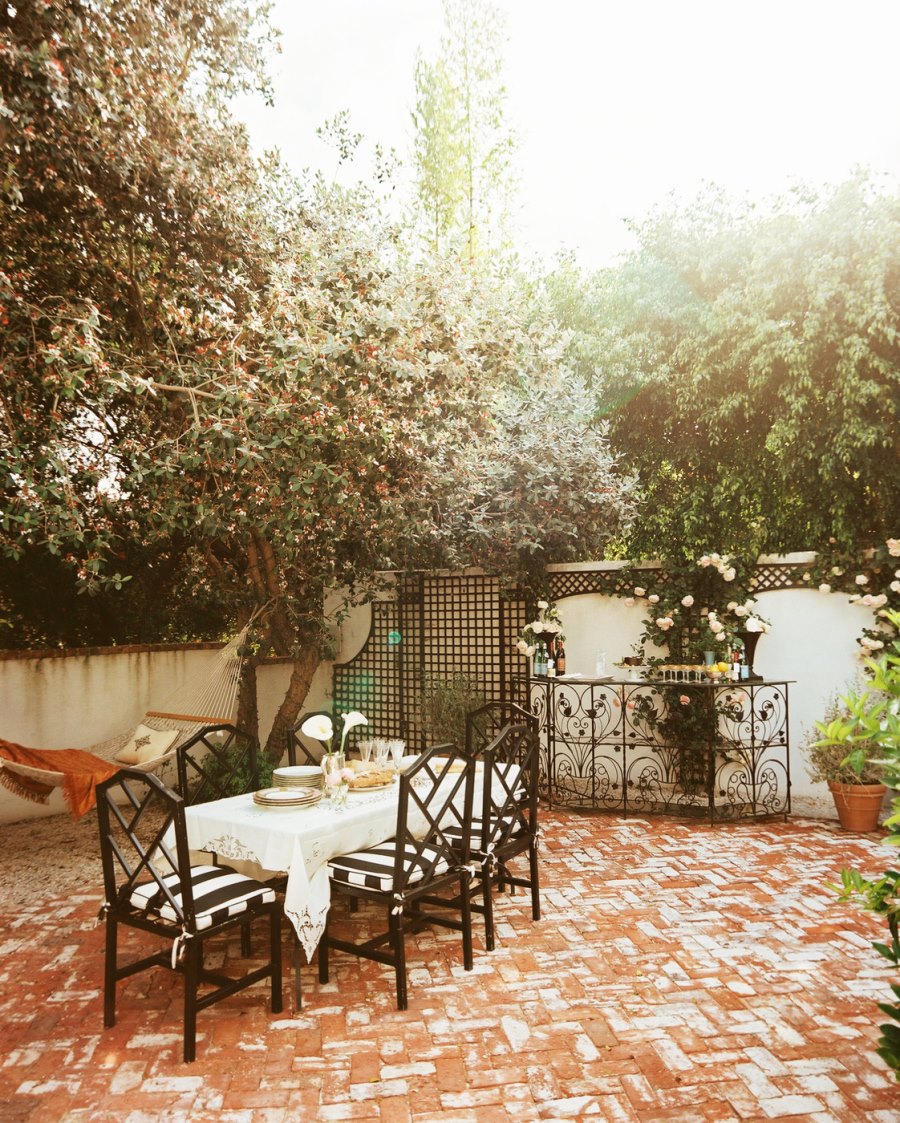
{"x": 298, "y": 772}
{"x": 282, "y": 797}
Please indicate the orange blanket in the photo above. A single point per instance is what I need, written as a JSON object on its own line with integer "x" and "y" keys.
{"x": 82, "y": 772}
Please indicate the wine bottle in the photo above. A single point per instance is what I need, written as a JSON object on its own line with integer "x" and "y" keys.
{"x": 560, "y": 656}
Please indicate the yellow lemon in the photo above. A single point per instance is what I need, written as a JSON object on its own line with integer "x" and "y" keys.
{"x": 723, "y": 667}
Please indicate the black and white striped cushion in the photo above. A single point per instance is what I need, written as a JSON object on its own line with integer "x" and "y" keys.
{"x": 454, "y": 832}
{"x": 374, "y": 868}
{"x": 219, "y": 892}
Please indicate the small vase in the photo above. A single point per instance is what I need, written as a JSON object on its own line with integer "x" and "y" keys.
{"x": 339, "y": 795}
{"x": 331, "y": 763}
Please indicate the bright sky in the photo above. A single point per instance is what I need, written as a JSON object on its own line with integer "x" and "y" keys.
{"x": 616, "y": 103}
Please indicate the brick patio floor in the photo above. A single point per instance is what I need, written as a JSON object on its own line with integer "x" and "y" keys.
{"x": 680, "y": 972}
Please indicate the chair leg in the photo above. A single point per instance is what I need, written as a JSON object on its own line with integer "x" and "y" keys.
{"x": 465, "y": 889}
{"x": 398, "y": 940}
{"x": 535, "y": 884}
{"x": 192, "y": 966}
{"x": 487, "y": 904}
{"x": 109, "y": 972}
{"x": 246, "y": 943}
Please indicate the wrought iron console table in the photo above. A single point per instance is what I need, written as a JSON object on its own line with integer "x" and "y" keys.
{"x": 659, "y": 746}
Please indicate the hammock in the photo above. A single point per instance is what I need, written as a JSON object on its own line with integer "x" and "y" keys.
{"x": 34, "y": 773}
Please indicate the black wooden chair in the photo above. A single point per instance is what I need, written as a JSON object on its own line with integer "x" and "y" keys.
{"x": 506, "y": 823}
{"x": 420, "y": 877}
{"x": 217, "y": 762}
{"x": 483, "y": 724}
{"x": 150, "y": 884}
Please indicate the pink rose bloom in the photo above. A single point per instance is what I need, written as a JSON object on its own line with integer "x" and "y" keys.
{"x": 684, "y": 700}
{"x": 653, "y": 598}
{"x": 687, "y": 601}
{"x": 639, "y": 592}
{"x": 893, "y": 545}
{"x": 861, "y": 579}
{"x": 824, "y": 588}
{"x": 334, "y": 779}
{"x": 629, "y": 601}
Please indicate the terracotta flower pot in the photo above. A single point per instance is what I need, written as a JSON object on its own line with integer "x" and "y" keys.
{"x": 858, "y": 805}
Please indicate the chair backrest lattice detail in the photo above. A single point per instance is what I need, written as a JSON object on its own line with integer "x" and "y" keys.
{"x": 511, "y": 771}
{"x": 484, "y": 724}
{"x": 217, "y": 762}
{"x": 434, "y": 812}
{"x": 135, "y": 813}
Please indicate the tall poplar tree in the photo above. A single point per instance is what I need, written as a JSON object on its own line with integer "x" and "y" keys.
{"x": 463, "y": 144}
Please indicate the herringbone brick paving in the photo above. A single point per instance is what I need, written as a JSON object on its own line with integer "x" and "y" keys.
{"x": 680, "y": 972}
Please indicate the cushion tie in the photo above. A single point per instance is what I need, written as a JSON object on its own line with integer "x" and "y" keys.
{"x": 178, "y": 948}
{"x": 399, "y": 899}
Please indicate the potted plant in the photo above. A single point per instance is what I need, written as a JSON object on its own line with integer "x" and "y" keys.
{"x": 854, "y": 778}
{"x": 445, "y": 704}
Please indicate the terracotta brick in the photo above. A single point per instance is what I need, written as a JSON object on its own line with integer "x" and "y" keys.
{"x": 680, "y": 972}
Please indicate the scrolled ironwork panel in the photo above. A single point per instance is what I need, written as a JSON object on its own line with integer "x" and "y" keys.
{"x": 614, "y": 746}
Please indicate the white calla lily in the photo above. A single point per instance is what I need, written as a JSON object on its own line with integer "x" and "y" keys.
{"x": 318, "y": 726}
{"x": 350, "y": 721}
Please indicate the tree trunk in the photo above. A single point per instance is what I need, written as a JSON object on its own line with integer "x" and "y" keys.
{"x": 301, "y": 679}
{"x": 248, "y": 709}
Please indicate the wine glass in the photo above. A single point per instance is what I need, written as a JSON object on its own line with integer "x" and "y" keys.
{"x": 382, "y": 749}
{"x": 397, "y": 749}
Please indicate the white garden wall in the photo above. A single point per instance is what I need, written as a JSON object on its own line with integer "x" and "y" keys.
{"x": 73, "y": 700}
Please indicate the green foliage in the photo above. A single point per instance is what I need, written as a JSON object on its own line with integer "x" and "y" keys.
{"x": 882, "y": 896}
{"x": 869, "y": 721}
{"x": 444, "y": 705}
{"x": 463, "y": 145}
{"x": 689, "y": 722}
{"x": 225, "y": 775}
{"x": 537, "y": 484}
{"x": 748, "y": 361}
{"x": 832, "y": 759}
{"x": 872, "y": 717}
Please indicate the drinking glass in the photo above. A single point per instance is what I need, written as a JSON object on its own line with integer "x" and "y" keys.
{"x": 365, "y": 750}
{"x": 382, "y": 749}
{"x": 397, "y": 749}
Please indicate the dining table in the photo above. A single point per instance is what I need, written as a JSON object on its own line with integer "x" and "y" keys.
{"x": 269, "y": 842}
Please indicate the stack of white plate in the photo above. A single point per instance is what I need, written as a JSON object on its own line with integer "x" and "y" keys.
{"x": 281, "y": 797}
{"x": 298, "y": 777}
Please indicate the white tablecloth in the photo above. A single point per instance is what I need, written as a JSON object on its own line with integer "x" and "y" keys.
{"x": 296, "y": 842}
